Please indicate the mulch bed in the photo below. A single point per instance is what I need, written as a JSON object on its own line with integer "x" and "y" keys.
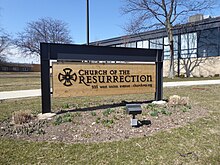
{"x": 102, "y": 125}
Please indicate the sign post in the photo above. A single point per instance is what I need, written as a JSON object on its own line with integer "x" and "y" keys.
{"x": 81, "y": 79}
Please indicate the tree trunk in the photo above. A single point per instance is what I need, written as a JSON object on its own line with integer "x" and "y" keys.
{"x": 187, "y": 73}
{"x": 170, "y": 38}
{"x": 171, "y": 69}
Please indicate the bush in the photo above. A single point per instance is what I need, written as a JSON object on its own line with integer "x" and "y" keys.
{"x": 21, "y": 117}
{"x": 108, "y": 112}
{"x": 93, "y": 113}
{"x": 68, "y": 117}
{"x": 154, "y": 113}
{"x": 98, "y": 120}
{"x": 184, "y": 101}
{"x": 165, "y": 112}
{"x": 182, "y": 76}
{"x": 107, "y": 122}
{"x": 174, "y": 100}
{"x": 66, "y": 106}
{"x": 177, "y": 100}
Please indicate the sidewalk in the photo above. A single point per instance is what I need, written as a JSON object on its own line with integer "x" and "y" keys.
{"x": 37, "y": 92}
{"x": 190, "y": 83}
{"x": 19, "y": 94}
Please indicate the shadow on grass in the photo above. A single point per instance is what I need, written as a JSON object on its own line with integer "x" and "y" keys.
{"x": 123, "y": 103}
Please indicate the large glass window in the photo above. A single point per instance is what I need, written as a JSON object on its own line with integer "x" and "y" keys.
{"x": 167, "y": 47}
{"x": 117, "y": 45}
{"x": 189, "y": 45}
{"x": 133, "y": 45}
{"x": 140, "y": 44}
{"x": 146, "y": 44}
{"x": 143, "y": 44}
{"x": 208, "y": 42}
{"x": 156, "y": 43}
{"x": 120, "y": 45}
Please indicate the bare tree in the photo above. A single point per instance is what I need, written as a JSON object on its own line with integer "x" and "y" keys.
{"x": 196, "y": 47}
{"x": 151, "y": 14}
{"x": 189, "y": 64}
{"x": 44, "y": 30}
{"x": 5, "y": 42}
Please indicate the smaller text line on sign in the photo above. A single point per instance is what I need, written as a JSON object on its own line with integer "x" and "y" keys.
{"x": 75, "y": 79}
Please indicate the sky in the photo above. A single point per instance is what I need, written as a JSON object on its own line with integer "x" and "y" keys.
{"x": 106, "y": 18}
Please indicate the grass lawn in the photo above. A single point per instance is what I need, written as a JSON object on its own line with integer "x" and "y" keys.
{"x": 19, "y": 83}
{"x": 194, "y": 143}
{"x": 10, "y": 81}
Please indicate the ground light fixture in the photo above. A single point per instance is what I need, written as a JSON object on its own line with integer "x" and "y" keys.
{"x": 133, "y": 109}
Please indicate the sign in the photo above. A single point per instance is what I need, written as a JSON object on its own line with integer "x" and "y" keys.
{"x": 74, "y": 79}
{"x": 67, "y": 80}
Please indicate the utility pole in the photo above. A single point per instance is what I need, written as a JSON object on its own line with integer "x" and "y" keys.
{"x": 87, "y": 7}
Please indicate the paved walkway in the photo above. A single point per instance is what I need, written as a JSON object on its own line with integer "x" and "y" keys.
{"x": 37, "y": 92}
{"x": 20, "y": 94}
{"x": 191, "y": 83}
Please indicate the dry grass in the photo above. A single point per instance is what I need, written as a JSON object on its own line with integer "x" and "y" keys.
{"x": 21, "y": 117}
{"x": 10, "y": 81}
{"x": 177, "y": 100}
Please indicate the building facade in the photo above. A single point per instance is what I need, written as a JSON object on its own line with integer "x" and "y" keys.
{"x": 196, "y": 46}
{"x": 16, "y": 67}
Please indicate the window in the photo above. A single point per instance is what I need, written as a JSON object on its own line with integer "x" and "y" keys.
{"x": 156, "y": 43}
{"x": 208, "y": 42}
{"x": 143, "y": 44}
{"x": 167, "y": 47}
{"x": 189, "y": 45}
{"x": 140, "y": 44}
{"x": 146, "y": 44}
{"x": 15, "y": 68}
{"x": 120, "y": 45}
{"x": 131, "y": 45}
{"x": 4, "y": 68}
